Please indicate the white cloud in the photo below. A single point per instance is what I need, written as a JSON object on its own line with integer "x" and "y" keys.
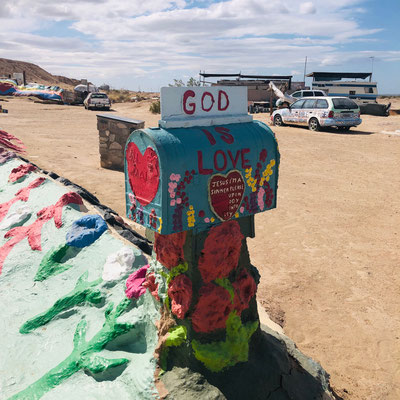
{"x": 134, "y": 38}
{"x": 307, "y": 8}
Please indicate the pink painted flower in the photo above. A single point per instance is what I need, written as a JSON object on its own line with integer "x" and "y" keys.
{"x": 172, "y": 203}
{"x": 241, "y": 210}
{"x": 134, "y": 283}
{"x": 260, "y": 198}
{"x": 206, "y": 220}
{"x": 178, "y": 200}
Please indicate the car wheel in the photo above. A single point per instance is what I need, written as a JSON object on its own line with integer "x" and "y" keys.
{"x": 344, "y": 128}
{"x": 313, "y": 125}
{"x": 278, "y": 120}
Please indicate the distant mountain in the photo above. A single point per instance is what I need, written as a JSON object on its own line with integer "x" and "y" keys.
{"x": 34, "y": 73}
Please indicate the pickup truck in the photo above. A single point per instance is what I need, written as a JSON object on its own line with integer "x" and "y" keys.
{"x": 97, "y": 100}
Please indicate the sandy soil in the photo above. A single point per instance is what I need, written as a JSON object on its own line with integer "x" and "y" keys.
{"x": 328, "y": 255}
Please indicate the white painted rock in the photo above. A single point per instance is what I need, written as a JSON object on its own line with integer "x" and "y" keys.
{"x": 16, "y": 216}
{"x": 118, "y": 264}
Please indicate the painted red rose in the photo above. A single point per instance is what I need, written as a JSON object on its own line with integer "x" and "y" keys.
{"x": 212, "y": 309}
{"x": 180, "y": 293}
{"x": 245, "y": 288}
{"x": 221, "y": 251}
{"x": 169, "y": 248}
{"x": 150, "y": 283}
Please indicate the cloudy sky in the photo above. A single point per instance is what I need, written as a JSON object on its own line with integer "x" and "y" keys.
{"x": 139, "y": 44}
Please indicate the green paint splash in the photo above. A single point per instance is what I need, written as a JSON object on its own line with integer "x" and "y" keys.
{"x": 177, "y": 336}
{"x": 83, "y": 355}
{"x": 219, "y": 355}
{"x": 226, "y": 284}
{"x": 81, "y": 294}
{"x": 52, "y": 263}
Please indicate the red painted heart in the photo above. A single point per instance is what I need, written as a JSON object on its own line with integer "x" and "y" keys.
{"x": 143, "y": 173}
{"x": 225, "y": 193}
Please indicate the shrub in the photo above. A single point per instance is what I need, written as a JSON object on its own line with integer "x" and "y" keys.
{"x": 155, "y": 107}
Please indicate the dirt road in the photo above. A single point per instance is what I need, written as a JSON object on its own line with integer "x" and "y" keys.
{"x": 329, "y": 255}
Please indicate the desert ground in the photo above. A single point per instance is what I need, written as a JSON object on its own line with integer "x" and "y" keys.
{"x": 329, "y": 254}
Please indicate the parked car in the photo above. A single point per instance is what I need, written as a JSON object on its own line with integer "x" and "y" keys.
{"x": 299, "y": 94}
{"x": 326, "y": 111}
{"x": 97, "y": 100}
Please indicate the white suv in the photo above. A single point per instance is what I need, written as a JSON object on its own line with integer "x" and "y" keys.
{"x": 299, "y": 94}
{"x": 317, "y": 112}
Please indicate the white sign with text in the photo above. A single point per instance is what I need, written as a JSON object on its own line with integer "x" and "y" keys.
{"x": 184, "y": 107}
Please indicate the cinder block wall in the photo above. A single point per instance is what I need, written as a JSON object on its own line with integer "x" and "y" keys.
{"x": 113, "y": 134}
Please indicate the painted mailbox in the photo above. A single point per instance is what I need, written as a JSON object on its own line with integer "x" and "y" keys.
{"x": 206, "y": 163}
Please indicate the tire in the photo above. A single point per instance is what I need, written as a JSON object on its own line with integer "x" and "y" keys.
{"x": 313, "y": 125}
{"x": 278, "y": 120}
{"x": 344, "y": 128}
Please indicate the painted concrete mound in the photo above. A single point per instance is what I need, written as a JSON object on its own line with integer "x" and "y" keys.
{"x": 68, "y": 328}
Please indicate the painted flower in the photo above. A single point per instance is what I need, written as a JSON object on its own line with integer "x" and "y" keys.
{"x": 180, "y": 293}
{"x": 118, "y": 264}
{"x": 134, "y": 284}
{"x": 221, "y": 251}
{"x": 212, "y": 309}
{"x": 245, "y": 288}
{"x": 150, "y": 283}
{"x": 169, "y": 248}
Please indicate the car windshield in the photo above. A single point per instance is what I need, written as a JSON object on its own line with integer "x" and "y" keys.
{"x": 99, "y": 96}
{"x": 344, "y": 104}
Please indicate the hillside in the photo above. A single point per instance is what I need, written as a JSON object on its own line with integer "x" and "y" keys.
{"x": 34, "y": 73}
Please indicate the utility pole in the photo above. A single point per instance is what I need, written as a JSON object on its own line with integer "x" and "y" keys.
{"x": 372, "y": 67}
{"x": 305, "y": 69}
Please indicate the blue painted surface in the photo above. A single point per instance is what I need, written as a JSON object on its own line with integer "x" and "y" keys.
{"x": 194, "y": 158}
{"x": 85, "y": 231}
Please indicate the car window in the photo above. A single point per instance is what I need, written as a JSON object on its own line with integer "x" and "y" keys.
{"x": 344, "y": 103}
{"x": 321, "y": 103}
{"x": 309, "y": 103}
{"x": 308, "y": 93}
{"x": 296, "y": 94}
{"x": 99, "y": 96}
{"x": 296, "y": 105}
{"x": 319, "y": 93}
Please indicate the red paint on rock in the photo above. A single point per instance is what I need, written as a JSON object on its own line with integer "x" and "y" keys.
{"x": 5, "y": 141}
{"x": 134, "y": 283}
{"x": 169, "y": 248}
{"x": 180, "y": 292}
{"x": 150, "y": 283}
{"x": 245, "y": 288}
{"x": 20, "y": 171}
{"x": 221, "y": 251}
{"x": 212, "y": 309}
{"x": 22, "y": 194}
{"x": 34, "y": 231}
